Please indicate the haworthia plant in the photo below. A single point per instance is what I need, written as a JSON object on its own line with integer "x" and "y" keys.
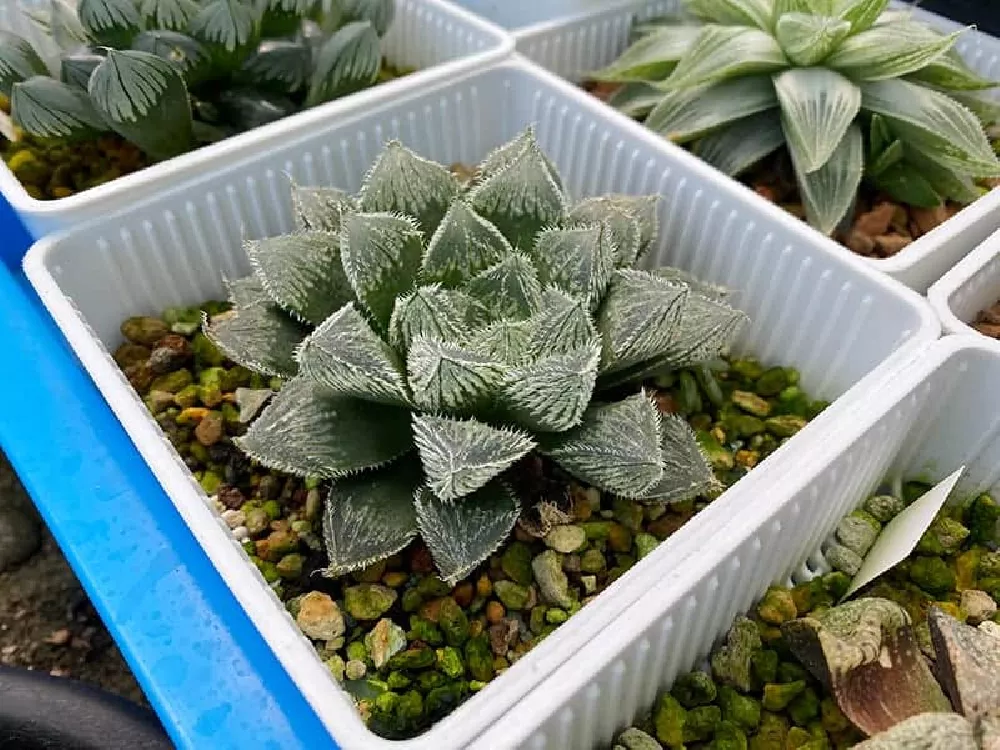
{"x": 432, "y": 334}
{"x": 168, "y": 74}
{"x": 854, "y": 91}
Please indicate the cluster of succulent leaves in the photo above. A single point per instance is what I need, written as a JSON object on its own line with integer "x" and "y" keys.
{"x": 169, "y": 74}
{"x": 432, "y": 333}
{"x": 853, "y": 90}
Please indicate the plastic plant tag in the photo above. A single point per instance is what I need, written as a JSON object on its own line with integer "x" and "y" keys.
{"x": 900, "y": 536}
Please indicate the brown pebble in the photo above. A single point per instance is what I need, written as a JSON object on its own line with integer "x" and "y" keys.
{"x": 927, "y": 219}
{"x": 900, "y": 220}
{"x": 665, "y": 403}
{"x": 503, "y": 635}
{"x": 476, "y": 627}
{"x": 859, "y": 243}
{"x": 59, "y": 637}
{"x": 484, "y": 586}
{"x": 876, "y": 222}
{"x": 766, "y": 191}
{"x": 231, "y": 497}
{"x": 420, "y": 560}
{"x": 666, "y": 525}
{"x": 890, "y": 244}
{"x": 463, "y": 594}
{"x": 171, "y": 352}
{"x": 139, "y": 376}
{"x": 431, "y": 610}
{"x": 495, "y": 612}
{"x": 210, "y": 429}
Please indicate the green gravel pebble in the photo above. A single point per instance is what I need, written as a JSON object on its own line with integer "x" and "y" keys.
{"x": 516, "y": 563}
{"x": 368, "y": 601}
{"x": 669, "y": 718}
{"x": 514, "y": 596}
{"x": 694, "y": 689}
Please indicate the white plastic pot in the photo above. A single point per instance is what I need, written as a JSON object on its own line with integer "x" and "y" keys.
{"x": 971, "y": 286}
{"x": 933, "y": 417}
{"x": 573, "y": 37}
{"x": 437, "y": 38}
{"x": 811, "y": 306}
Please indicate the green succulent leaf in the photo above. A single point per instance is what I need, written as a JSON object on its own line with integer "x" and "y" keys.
{"x": 947, "y": 183}
{"x": 880, "y": 135}
{"x": 167, "y": 15}
{"x": 639, "y": 318}
{"x": 862, "y": 14}
{"x": 404, "y": 182}
{"x": 319, "y": 208}
{"x": 651, "y": 58}
{"x": 430, "y": 311}
{"x": 829, "y": 192}
{"x": 578, "y": 260}
{"x": 817, "y": 107}
{"x": 733, "y": 12}
{"x": 688, "y": 113}
{"x": 110, "y": 22}
{"x": 738, "y": 146}
{"x": 904, "y": 182}
{"x": 987, "y": 110}
{"x": 348, "y": 357}
{"x": 257, "y": 335}
{"x": 704, "y": 288}
{"x": 505, "y": 155}
{"x": 229, "y": 28}
{"x": 246, "y": 292}
{"x": 381, "y": 254}
{"x": 307, "y": 430}
{"x": 463, "y": 245}
{"x": 18, "y": 61}
{"x": 348, "y": 61}
{"x": 616, "y": 447}
{"x": 509, "y": 289}
{"x": 59, "y": 22}
{"x": 522, "y": 198}
{"x": 645, "y": 208}
{"x": 369, "y": 518}
{"x": 950, "y": 72}
{"x": 561, "y": 325}
{"x": 462, "y": 535}
{"x": 890, "y": 156}
{"x": 934, "y": 124}
{"x": 724, "y": 52}
{"x": 46, "y": 108}
{"x": 280, "y": 65}
{"x": 451, "y": 378}
{"x": 552, "y": 393}
{"x": 815, "y": 7}
{"x": 507, "y": 341}
{"x": 75, "y": 68}
{"x": 283, "y": 18}
{"x": 890, "y": 51}
{"x": 462, "y": 456}
{"x": 622, "y": 223}
{"x": 380, "y": 13}
{"x": 143, "y": 98}
{"x": 302, "y": 273}
{"x": 686, "y": 471}
{"x": 807, "y": 39}
{"x": 635, "y": 100}
{"x": 188, "y": 55}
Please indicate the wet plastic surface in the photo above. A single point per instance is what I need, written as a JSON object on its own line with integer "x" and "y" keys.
{"x": 203, "y": 665}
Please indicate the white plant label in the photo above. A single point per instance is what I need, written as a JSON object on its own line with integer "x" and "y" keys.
{"x": 899, "y": 537}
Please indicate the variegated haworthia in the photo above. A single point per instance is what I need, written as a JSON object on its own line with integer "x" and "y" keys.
{"x": 166, "y": 74}
{"x": 854, "y": 91}
{"x": 434, "y": 334}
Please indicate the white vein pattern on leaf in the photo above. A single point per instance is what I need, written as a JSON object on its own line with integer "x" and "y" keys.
{"x": 460, "y": 456}
{"x": 686, "y": 471}
{"x": 446, "y": 377}
{"x": 224, "y": 22}
{"x": 579, "y": 260}
{"x": 319, "y": 208}
{"x": 426, "y": 311}
{"x": 552, "y": 394}
{"x": 623, "y": 224}
{"x": 260, "y": 337}
{"x": 561, "y": 325}
{"x": 510, "y": 288}
{"x": 108, "y": 14}
{"x": 245, "y": 291}
{"x": 133, "y": 89}
{"x": 463, "y": 244}
{"x": 399, "y": 180}
{"x": 508, "y": 341}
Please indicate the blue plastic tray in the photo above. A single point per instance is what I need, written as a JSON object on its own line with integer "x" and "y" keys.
{"x": 204, "y": 667}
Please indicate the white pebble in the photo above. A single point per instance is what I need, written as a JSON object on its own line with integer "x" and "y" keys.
{"x": 234, "y": 518}
{"x": 242, "y": 533}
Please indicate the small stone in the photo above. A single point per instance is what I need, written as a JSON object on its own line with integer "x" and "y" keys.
{"x": 859, "y": 243}
{"x": 593, "y": 561}
{"x": 479, "y": 658}
{"x": 419, "y": 657}
{"x": 944, "y": 537}
{"x": 463, "y": 593}
{"x": 384, "y": 641}
{"x": 876, "y": 221}
{"x": 552, "y": 581}
{"x": 210, "y": 429}
{"x": 319, "y": 617}
{"x": 977, "y": 605}
{"x": 144, "y": 330}
{"x": 751, "y": 403}
{"x": 449, "y": 661}
{"x": 355, "y": 670}
{"x": 241, "y": 533}
{"x": 516, "y": 563}
{"x": 20, "y": 536}
{"x": 728, "y": 736}
{"x": 845, "y": 560}
{"x": 170, "y": 353}
{"x": 494, "y": 611}
{"x": 368, "y": 601}
{"x": 257, "y": 521}
{"x": 927, "y": 219}
{"x": 982, "y": 518}
{"x": 700, "y": 723}
{"x": 694, "y": 689}
{"x": 731, "y": 664}
{"x": 777, "y": 606}
{"x": 741, "y": 710}
{"x": 990, "y": 628}
{"x": 858, "y": 532}
{"x": 290, "y": 566}
{"x": 628, "y": 513}
{"x": 234, "y": 518}
{"x": 968, "y": 664}
{"x": 565, "y": 539}
{"x": 778, "y": 696}
{"x": 890, "y": 244}
{"x": 503, "y": 635}
{"x": 636, "y": 739}
{"x": 395, "y": 578}
{"x": 933, "y": 575}
{"x": 589, "y": 584}
{"x": 668, "y": 718}
{"x": 645, "y": 544}
{"x": 883, "y": 508}
{"x": 785, "y": 425}
{"x": 513, "y": 596}
{"x": 453, "y": 621}
{"x": 619, "y": 538}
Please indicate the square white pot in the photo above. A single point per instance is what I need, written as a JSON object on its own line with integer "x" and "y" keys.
{"x": 816, "y": 308}
{"x": 972, "y": 285}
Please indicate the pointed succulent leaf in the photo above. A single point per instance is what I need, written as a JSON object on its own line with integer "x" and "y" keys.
{"x": 723, "y": 52}
{"x": 319, "y": 208}
{"x": 348, "y": 61}
{"x": 283, "y": 18}
{"x": 808, "y": 39}
{"x": 167, "y": 15}
{"x": 817, "y": 107}
{"x": 402, "y": 182}
{"x": 307, "y": 430}
{"x": 246, "y": 292}
{"x": 259, "y": 336}
{"x": 934, "y": 124}
{"x": 18, "y": 61}
{"x": 507, "y": 341}
{"x": 75, "y": 68}
{"x": 686, "y": 470}
{"x": 381, "y": 255}
{"x": 379, "y": 13}
{"x": 47, "y": 108}
{"x": 732, "y": 12}
{"x": 829, "y": 192}
{"x": 880, "y": 135}
{"x": 462, "y": 456}
{"x": 144, "y": 99}
{"x": 62, "y": 24}
{"x": 279, "y": 65}
{"x": 451, "y": 378}
{"x": 347, "y": 356}
{"x": 462, "y": 535}
{"x": 743, "y": 143}
{"x": 687, "y": 113}
{"x": 645, "y": 208}
{"x": 578, "y": 260}
{"x": 302, "y": 273}
{"x": 552, "y": 393}
{"x": 950, "y": 72}
{"x": 986, "y": 109}
{"x": 112, "y": 23}
{"x": 509, "y": 289}
{"x": 946, "y": 182}
{"x": 651, "y": 58}
{"x": 522, "y": 198}
{"x": 890, "y": 156}
{"x": 904, "y": 182}
{"x": 890, "y": 51}
{"x": 862, "y": 14}
{"x": 229, "y": 28}
{"x": 250, "y": 401}
{"x": 503, "y": 156}
{"x": 704, "y": 288}
{"x": 622, "y": 223}
{"x": 616, "y": 447}
{"x": 188, "y": 55}
{"x": 636, "y": 100}
{"x": 561, "y": 325}
{"x": 463, "y": 245}
{"x": 639, "y": 318}
{"x": 432, "y": 312}
{"x": 369, "y": 518}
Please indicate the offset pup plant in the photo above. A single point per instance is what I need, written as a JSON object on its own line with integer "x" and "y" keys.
{"x": 433, "y": 333}
{"x": 166, "y": 75}
{"x": 856, "y": 94}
